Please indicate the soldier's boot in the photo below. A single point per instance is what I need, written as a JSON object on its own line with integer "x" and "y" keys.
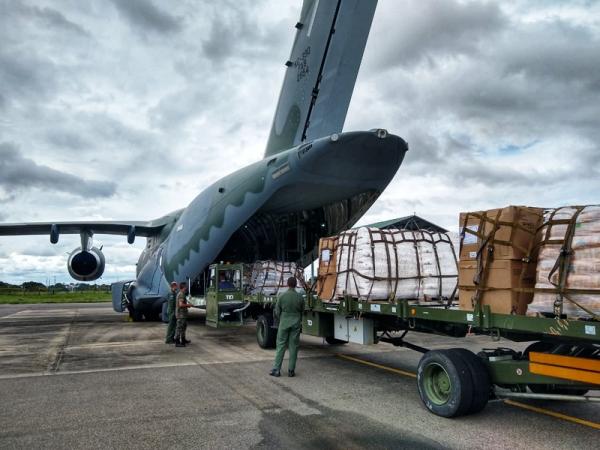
{"x": 184, "y": 340}
{"x": 178, "y": 343}
{"x": 291, "y": 373}
{"x": 275, "y": 373}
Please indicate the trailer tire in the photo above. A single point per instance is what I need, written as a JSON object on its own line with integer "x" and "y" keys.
{"x": 266, "y": 335}
{"x": 480, "y": 376}
{"x": 333, "y": 341}
{"x": 444, "y": 383}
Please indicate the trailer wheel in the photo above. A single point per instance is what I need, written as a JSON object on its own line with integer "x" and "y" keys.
{"x": 266, "y": 335}
{"x": 444, "y": 382}
{"x": 480, "y": 376}
{"x": 333, "y": 341}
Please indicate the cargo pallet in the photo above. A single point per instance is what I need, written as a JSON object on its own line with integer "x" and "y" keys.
{"x": 562, "y": 363}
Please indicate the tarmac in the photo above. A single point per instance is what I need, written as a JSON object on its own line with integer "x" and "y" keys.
{"x": 82, "y": 376}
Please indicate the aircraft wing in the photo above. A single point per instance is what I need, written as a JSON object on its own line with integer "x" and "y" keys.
{"x": 129, "y": 228}
{"x": 321, "y": 71}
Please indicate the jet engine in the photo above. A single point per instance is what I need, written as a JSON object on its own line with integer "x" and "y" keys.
{"x": 86, "y": 265}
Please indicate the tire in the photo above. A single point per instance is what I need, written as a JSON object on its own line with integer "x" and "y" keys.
{"x": 136, "y": 315}
{"x": 444, "y": 383}
{"x": 333, "y": 341}
{"x": 164, "y": 316}
{"x": 152, "y": 316}
{"x": 266, "y": 335}
{"x": 480, "y": 377}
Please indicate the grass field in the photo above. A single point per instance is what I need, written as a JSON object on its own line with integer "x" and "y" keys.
{"x": 59, "y": 297}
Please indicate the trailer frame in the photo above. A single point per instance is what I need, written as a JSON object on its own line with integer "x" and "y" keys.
{"x": 563, "y": 363}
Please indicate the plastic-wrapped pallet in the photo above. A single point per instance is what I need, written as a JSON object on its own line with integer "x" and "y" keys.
{"x": 377, "y": 264}
{"x": 573, "y": 274}
{"x": 270, "y": 277}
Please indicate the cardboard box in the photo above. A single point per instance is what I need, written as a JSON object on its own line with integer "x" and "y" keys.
{"x": 327, "y": 273}
{"x": 513, "y": 239}
{"x": 499, "y": 287}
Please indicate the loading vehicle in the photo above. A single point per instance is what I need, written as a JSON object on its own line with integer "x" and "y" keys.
{"x": 561, "y": 363}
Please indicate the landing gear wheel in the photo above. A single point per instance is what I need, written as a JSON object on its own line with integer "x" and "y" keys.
{"x": 136, "y": 315}
{"x": 333, "y": 341}
{"x": 444, "y": 382}
{"x": 266, "y": 335}
{"x": 480, "y": 378}
{"x": 164, "y": 313}
{"x": 152, "y": 316}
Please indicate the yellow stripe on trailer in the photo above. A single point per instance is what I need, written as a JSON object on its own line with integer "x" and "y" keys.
{"x": 572, "y": 368}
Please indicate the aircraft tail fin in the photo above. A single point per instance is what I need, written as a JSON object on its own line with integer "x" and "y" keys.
{"x": 321, "y": 71}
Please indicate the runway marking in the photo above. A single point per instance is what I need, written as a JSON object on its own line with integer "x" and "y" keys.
{"x": 556, "y": 414}
{"x": 114, "y": 344}
{"x": 379, "y": 366}
{"x": 109, "y": 369}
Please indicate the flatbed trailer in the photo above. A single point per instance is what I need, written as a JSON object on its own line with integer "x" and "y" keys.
{"x": 562, "y": 362}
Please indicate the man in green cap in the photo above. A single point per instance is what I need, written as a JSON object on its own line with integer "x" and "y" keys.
{"x": 288, "y": 309}
{"x": 171, "y": 299}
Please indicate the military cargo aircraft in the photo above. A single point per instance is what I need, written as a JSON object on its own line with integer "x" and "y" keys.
{"x": 314, "y": 180}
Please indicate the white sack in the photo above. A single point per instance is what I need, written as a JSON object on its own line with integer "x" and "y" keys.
{"x": 395, "y": 264}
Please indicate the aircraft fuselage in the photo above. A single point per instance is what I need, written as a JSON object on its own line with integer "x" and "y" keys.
{"x": 317, "y": 188}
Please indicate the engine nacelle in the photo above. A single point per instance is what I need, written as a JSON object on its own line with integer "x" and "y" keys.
{"x": 86, "y": 265}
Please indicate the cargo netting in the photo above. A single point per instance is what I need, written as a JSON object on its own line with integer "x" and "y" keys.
{"x": 270, "y": 277}
{"x": 388, "y": 264}
{"x": 568, "y": 269}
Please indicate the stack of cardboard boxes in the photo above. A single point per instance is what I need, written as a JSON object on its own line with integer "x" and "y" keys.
{"x": 327, "y": 273}
{"x": 498, "y": 258}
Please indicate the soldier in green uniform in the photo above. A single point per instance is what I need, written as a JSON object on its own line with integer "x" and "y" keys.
{"x": 181, "y": 313}
{"x": 171, "y": 299}
{"x": 288, "y": 309}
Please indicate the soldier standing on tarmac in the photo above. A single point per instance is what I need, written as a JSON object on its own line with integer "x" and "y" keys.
{"x": 171, "y": 300}
{"x": 181, "y": 313}
{"x": 288, "y": 309}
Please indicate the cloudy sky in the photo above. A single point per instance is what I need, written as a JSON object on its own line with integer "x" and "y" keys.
{"x": 126, "y": 109}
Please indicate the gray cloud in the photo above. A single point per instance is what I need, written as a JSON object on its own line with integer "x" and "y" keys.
{"x": 55, "y": 19}
{"x": 43, "y": 251}
{"x": 220, "y": 43}
{"x": 427, "y": 31}
{"x": 17, "y": 172}
{"x": 68, "y": 139}
{"x": 25, "y": 75}
{"x": 461, "y": 80}
{"x": 238, "y": 31}
{"x": 176, "y": 109}
{"x": 144, "y": 15}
